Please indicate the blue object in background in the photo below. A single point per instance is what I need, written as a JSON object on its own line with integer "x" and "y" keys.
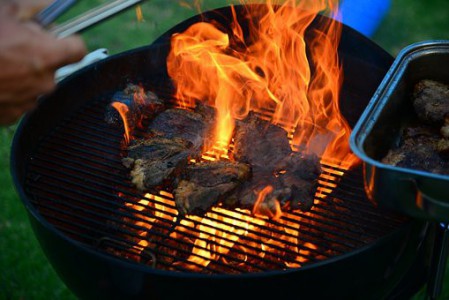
{"x": 364, "y": 16}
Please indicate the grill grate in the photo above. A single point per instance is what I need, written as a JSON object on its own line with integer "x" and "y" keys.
{"x": 77, "y": 182}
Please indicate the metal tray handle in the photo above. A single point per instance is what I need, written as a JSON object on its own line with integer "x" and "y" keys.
{"x": 435, "y": 208}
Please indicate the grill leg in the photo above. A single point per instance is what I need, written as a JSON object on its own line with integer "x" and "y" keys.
{"x": 439, "y": 260}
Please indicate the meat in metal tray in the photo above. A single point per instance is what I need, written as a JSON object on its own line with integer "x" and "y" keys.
{"x": 413, "y": 192}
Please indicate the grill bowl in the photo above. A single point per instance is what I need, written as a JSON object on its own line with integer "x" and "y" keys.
{"x": 93, "y": 274}
{"x": 416, "y": 193}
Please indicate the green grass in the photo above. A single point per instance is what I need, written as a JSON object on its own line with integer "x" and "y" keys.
{"x": 24, "y": 271}
{"x": 413, "y": 21}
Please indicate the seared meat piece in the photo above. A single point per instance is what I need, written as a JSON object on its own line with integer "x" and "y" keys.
{"x": 425, "y": 147}
{"x": 293, "y": 177}
{"x": 247, "y": 196}
{"x": 421, "y": 148}
{"x": 202, "y": 185}
{"x": 156, "y": 160}
{"x": 431, "y": 101}
{"x": 180, "y": 134}
{"x": 304, "y": 166}
{"x": 300, "y": 174}
{"x": 175, "y": 136}
{"x": 141, "y": 105}
{"x": 260, "y": 143}
{"x": 293, "y": 186}
{"x": 194, "y": 127}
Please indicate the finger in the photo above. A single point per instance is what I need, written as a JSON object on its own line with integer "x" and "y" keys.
{"x": 55, "y": 52}
{"x": 11, "y": 115}
{"x": 67, "y": 51}
{"x": 28, "y": 9}
{"x": 9, "y": 9}
{"x": 27, "y": 92}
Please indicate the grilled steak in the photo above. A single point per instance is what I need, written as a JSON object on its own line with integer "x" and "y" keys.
{"x": 421, "y": 148}
{"x": 140, "y": 104}
{"x": 292, "y": 177}
{"x": 300, "y": 174}
{"x": 192, "y": 126}
{"x": 260, "y": 143}
{"x": 175, "y": 135}
{"x": 293, "y": 186}
{"x": 431, "y": 101}
{"x": 265, "y": 147}
{"x": 262, "y": 154}
{"x": 155, "y": 161}
{"x": 425, "y": 146}
{"x": 202, "y": 185}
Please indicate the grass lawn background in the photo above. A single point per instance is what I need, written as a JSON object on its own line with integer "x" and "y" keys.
{"x": 24, "y": 270}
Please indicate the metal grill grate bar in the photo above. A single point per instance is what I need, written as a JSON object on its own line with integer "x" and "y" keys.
{"x": 70, "y": 186}
{"x": 77, "y": 175}
{"x": 102, "y": 174}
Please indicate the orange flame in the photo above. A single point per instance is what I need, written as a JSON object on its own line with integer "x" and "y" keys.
{"x": 280, "y": 70}
{"x": 287, "y": 69}
{"x": 123, "y": 110}
{"x": 260, "y": 209}
{"x": 139, "y": 99}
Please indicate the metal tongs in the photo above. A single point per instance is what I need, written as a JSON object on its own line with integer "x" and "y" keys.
{"x": 83, "y": 21}
{"x": 78, "y": 24}
{"x": 46, "y": 16}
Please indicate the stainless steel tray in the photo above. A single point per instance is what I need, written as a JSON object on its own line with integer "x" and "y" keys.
{"x": 413, "y": 192}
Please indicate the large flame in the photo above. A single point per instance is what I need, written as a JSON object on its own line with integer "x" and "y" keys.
{"x": 285, "y": 68}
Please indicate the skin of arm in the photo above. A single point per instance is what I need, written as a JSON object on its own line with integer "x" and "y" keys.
{"x": 29, "y": 58}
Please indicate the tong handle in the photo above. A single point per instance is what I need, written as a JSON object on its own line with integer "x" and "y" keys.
{"x": 46, "y": 16}
{"x": 92, "y": 17}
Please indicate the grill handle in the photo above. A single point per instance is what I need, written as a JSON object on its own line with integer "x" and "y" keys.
{"x": 92, "y": 17}
{"x": 433, "y": 208}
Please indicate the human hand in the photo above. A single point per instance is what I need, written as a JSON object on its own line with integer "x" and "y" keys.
{"x": 23, "y": 10}
{"x": 29, "y": 57}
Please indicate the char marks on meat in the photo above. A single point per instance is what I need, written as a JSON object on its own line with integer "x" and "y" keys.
{"x": 293, "y": 177}
{"x": 155, "y": 161}
{"x": 176, "y": 135}
{"x": 300, "y": 174}
{"x": 141, "y": 105}
{"x": 420, "y": 148}
{"x": 260, "y": 143}
{"x": 202, "y": 185}
{"x": 293, "y": 184}
{"x": 169, "y": 157}
{"x": 192, "y": 126}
